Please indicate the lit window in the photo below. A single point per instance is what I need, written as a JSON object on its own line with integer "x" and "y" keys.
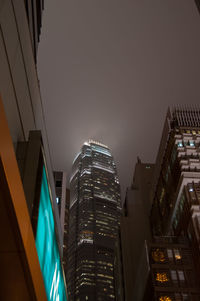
{"x": 161, "y": 277}
{"x": 191, "y": 143}
{"x": 180, "y": 144}
{"x": 191, "y": 189}
{"x": 57, "y": 200}
{"x": 177, "y": 254}
{"x": 165, "y": 298}
{"x": 158, "y": 255}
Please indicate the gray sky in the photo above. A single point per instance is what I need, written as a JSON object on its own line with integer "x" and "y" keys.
{"x": 108, "y": 70}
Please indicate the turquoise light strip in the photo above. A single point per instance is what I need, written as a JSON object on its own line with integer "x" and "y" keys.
{"x": 47, "y": 247}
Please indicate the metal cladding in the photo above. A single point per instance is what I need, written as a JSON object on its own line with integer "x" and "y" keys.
{"x": 95, "y": 208}
{"x": 186, "y": 117}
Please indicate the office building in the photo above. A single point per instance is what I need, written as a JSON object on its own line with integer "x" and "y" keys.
{"x": 178, "y": 165}
{"x": 30, "y": 255}
{"x": 134, "y": 229}
{"x": 66, "y": 233}
{"x": 171, "y": 220}
{"x": 171, "y": 270}
{"x": 176, "y": 199}
{"x": 63, "y": 200}
{"x": 94, "y": 217}
{"x": 60, "y": 179}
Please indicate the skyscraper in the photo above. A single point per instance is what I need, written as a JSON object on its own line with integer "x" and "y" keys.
{"x": 177, "y": 169}
{"x": 176, "y": 198}
{"x": 168, "y": 267}
{"x": 95, "y": 207}
{"x": 135, "y": 228}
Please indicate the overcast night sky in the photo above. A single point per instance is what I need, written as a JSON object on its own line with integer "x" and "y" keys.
{"x": 108, "y": 70}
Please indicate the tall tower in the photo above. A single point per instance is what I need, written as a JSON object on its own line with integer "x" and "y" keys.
{"x": 176, "y": 198}
{"x": 177, "y": 169}
{"x": 95, "y": 208}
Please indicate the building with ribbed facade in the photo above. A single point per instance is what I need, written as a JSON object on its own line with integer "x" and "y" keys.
{"x": 94, "y": 215}
{"x": 168, "y": 266}
{"x": 176, "y": 195}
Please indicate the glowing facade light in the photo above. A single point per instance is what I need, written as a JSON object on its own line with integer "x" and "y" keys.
{"x": 47, "y": 247}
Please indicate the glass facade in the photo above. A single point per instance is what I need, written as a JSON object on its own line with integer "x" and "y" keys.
{"x": 95, "y": 207}
{"x": 47, "y": 248}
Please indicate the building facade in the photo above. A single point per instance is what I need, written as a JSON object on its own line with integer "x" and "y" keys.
{"x": 177, "y": 166}
{"x": 63, "y": 200}
{"x": 171, "y": 270}
{"x": 176, "y": 198}
{"x": 30, "y": 225}
{"x": 168, "y": 258}
{"x": 135, "y": 228}
{"x": 94, "y": 216}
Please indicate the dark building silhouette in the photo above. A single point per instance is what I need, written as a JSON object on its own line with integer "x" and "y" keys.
{"x": 66, "y": 233}
{"x": 95, "y": 208}
{"x": 63, "y": 200}
{"x": 134, "y": 228}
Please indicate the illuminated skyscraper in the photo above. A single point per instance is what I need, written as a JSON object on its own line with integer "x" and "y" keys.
{"x": 95, "y": 207}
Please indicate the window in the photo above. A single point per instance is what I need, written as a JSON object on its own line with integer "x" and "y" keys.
{"x": 165, "y": 298}
{"x": 58, "y": 183}
{"x": 161, "y": 277}
{"x": 178, "y": 297}
{"x": 177, "y": 254}
{"x": 173, "y": 275}
{"x": 185, "y": 297}
{"x": 158, "y": 255}
{"x": 180, "y": 144}
{"x": 170, "y": 254}
{"x": 181, "y": 275}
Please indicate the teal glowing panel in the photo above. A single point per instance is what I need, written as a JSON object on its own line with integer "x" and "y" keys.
{"x": 47, "y": 247}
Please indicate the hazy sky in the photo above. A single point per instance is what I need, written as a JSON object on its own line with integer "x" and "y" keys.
{"x": 108, "y": 70}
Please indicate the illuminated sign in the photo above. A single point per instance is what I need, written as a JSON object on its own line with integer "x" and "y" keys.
{"x": 47, "y": 247}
